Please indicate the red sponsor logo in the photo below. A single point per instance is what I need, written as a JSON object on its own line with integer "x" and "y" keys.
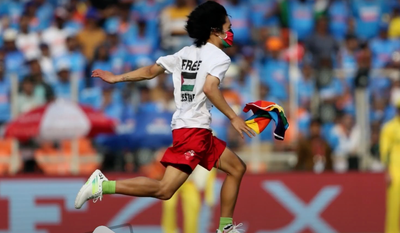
{"x": 189, "y": 154}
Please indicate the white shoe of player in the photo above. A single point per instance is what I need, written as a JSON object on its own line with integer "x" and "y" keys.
{"x": 230, "y": 228}
{"x": 92, "y": 189}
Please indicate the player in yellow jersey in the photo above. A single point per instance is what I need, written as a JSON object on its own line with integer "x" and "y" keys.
{"x": 390, "y": 156}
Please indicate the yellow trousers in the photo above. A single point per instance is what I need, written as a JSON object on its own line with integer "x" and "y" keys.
{"x": 191, "y": 203}
{"x": 393, "y": 204}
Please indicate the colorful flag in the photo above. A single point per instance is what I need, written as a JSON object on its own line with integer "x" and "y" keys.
{"x": 264, "y": 111}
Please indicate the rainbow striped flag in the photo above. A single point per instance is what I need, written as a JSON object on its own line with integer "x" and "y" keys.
{"x": 264, "y": 112}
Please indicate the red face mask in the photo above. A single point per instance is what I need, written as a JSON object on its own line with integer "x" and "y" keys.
{"x": 228, "y": 40}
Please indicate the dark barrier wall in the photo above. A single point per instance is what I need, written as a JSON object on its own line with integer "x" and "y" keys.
{"x": 290, "y": 202}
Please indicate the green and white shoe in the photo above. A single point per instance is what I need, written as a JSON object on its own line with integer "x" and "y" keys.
{"x": 92, "y": 189}
{"x": 230, "y": 228}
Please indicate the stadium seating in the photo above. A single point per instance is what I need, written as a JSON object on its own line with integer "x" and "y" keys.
{"x": 6, "y": 158}
{"x": 55, "y": 161}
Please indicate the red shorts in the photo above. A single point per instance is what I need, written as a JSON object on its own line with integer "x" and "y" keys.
{"x": 192, "y": 146}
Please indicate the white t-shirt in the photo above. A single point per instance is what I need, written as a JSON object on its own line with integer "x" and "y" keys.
{"x": 55, "y": 38}
{"x": 189, "y": 68}
{"x": 28, "y": 44}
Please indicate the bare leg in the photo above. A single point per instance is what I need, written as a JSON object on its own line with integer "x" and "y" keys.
{"x": 234, "y": 168}
{"x": 146, "y": 187}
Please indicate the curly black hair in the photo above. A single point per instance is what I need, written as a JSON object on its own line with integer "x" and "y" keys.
{"x": 206, "y": 17}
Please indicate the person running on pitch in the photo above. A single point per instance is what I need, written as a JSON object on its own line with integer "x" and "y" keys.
{"x": 197, "y": 72}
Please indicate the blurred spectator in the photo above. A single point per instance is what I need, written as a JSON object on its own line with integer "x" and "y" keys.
{"x": 368, "y": 16}
{"x": 379, "y": 110}
{"x": 30, "y": 11}
{"x": 75, "y": 16}
{"x": 345, "y": 139}
{"x": 265, "y": 94}
{"x": 73, "y": 56}
{"x": 301, "y": 17}
{"x": 363, "y": 74}
{"x": 27, "y": 41}
{"x": 4, "y": 24}
{"x": 339, "y": 17}
{"x": 274, "y": 73}
{"x": 395, "y": 92}
{"x": 380, "y": 88}
{"x": 63, "y": 88}
{"x": 377, "y": 81}
{"x": 109, "y": 106}
{"x": 231, "y": 95}
{"x": 159, "y": 91}
{"x": 345, "y": 102}
{"x": 27, "y": 99}
{"x": 56, "y": 35}
{"x": 12, "y": 10}
{"x": 395, "y": 64}
{"x": 141, "y": 45}
{"x": 47, "y": 64}
{"x": 91, "y": 36}
{"x": 172, "y": 25}
{"x": 330, "y": 88}
{"x": 118, "y": 54}
{"x": 102, "y": 61}
{"x": 42, "y": 89}
{"x": 394, "y": 25}
{"x": 44, "y": 13}
{"x": 303, "y": 117}
{"x": 219, "y": 124}
{"x": 306, "y": 86}
{"x": 382, "y": 48}
{"x": 321, "y": 45}
{"x": 5, "y": 101}
{"x": 147, "y": 105}
{"x": 320, "y": 8}
{"x": 250, "y": 58}
{"x": 374, "y": 148}
{"x": 245, "y": 84}
{"x": 128, "y": 112}
{"x": 149, "y": 11}
{"x": 13, "y": 58}
{"x": 121, "y": 24}
{"x": 109, "y": 100}
{"x": 240, "y": 19}
{"x": 364, "y": 56}
{"x": 314, "y": 153}
{"x": 77, "y": 10}
{"x": 347, "y": 60}
{"x": 264, "y": 13}
{"x": 91, "y": 96}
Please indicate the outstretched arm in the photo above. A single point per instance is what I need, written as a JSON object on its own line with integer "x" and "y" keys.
{"x": 146, "y": 72}
{"x": 215, "y": 96}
